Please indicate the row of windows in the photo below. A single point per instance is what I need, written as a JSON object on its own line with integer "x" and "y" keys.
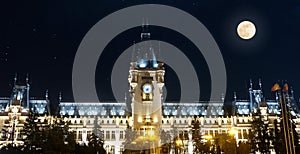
{"x": 111, "y": 135}
{"x": 91, "y": 121}
{"x": 206, "y": 121}
{"x": 108, "y": 135}
{"x": 92, "y": 111}
{"x": 242, "y": 134}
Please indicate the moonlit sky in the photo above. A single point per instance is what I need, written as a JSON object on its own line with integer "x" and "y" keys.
{"x": 41, "y": 38}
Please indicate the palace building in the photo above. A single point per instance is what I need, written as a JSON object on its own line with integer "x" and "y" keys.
{"x": 149, "y": 114}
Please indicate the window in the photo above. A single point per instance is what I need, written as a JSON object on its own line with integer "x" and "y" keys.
{"x": 113, "y": 135}
{"x": 223, "y": 131}
{"x": 121, "y": 150}
{"x": 113, "y": 149}
{"x": 79, "y": 135}
{"x": 107, "y": 135}
{"x": 121, "y": 135}
{"x": 206, "y": 132}
{"x": 239, "y": 134}
{"x": 245, "y": 134}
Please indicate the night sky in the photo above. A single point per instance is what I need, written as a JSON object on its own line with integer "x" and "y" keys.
{"x": 41, "y": 38}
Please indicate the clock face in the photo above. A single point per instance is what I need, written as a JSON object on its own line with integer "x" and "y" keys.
{"x": 147, "y": 88}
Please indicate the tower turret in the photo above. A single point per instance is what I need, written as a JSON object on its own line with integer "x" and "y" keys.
{"x": 146, "y": 79}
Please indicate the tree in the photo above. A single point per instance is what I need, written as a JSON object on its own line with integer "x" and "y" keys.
{"x": 225, "y": 143}
{"x": 244, "y": 148}
{"x": 130, "y": 136}
{"x": 197, "y": 137}
{"x": 166, "y": 140}
{"x": 96, "y": 141}
{"x": 261, "y": 135}
{"x": 69, "y": 138}
{"x": 54, "y": 139}
{"x": 95, "y": 144}
{"x": 58, "y": 138}
{"x": 80, "y": 149}
{"x": 199, "y": 145}
{"x": 33, "y": 133}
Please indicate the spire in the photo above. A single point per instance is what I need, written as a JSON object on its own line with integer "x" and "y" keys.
{"x": 260, "y": 84}
{"x": 48, "y": 102}
{"x": 251, "y": 95}
{"x": 125, "y": 97}
{"x": 276, "y": 95}
{"x": 46, "y": 94}
{"x": 15, "y": 79}
{"x": 145, "y": 52}
{"x": 234, "y": 96}
{"x": 292, "y": 91}
{"x": 27, "y": 88}
{"x": 223, "y": 97}
{"x": 27, "y": 78}
{"x": 145, "y": 35}
{"x": 60, "y": 97}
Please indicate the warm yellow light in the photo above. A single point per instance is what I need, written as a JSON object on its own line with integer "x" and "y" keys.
{"x": 140, "y": 119}
{"x": 207, "y": 137}
{"x": 150, "y": 132}
{"x": 155, "y": 120}
{"x": 178, "y": 142}
{"x": 263, "y": 111}
{"x": 233, "y": 132}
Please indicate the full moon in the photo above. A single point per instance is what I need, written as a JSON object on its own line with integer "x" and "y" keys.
{"x": 246, "y": 30}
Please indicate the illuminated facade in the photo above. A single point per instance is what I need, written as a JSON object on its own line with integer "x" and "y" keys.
{"x": 148, "y": 113}
{"x": 15, "y": 110}
{"x": 113, "y": 117}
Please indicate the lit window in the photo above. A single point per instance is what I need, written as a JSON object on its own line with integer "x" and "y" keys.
{"x": 107, "y": 135}
{"x": 113, "y": 135}
{"x": 113, "y": 149}
{"x": 121, "y": 135}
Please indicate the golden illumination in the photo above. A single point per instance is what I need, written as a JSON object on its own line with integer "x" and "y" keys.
{"x": 207, "y": 137}
{"x": 150, "y": 132}
{"x": 155, "y": 120}
{"x": 140, "y": 119}
{"x": 178, "y": 142}
{"x": 233, "y": 132}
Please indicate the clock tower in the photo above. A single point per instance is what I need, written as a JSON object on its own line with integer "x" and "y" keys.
{"x": 146, "y": 79}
